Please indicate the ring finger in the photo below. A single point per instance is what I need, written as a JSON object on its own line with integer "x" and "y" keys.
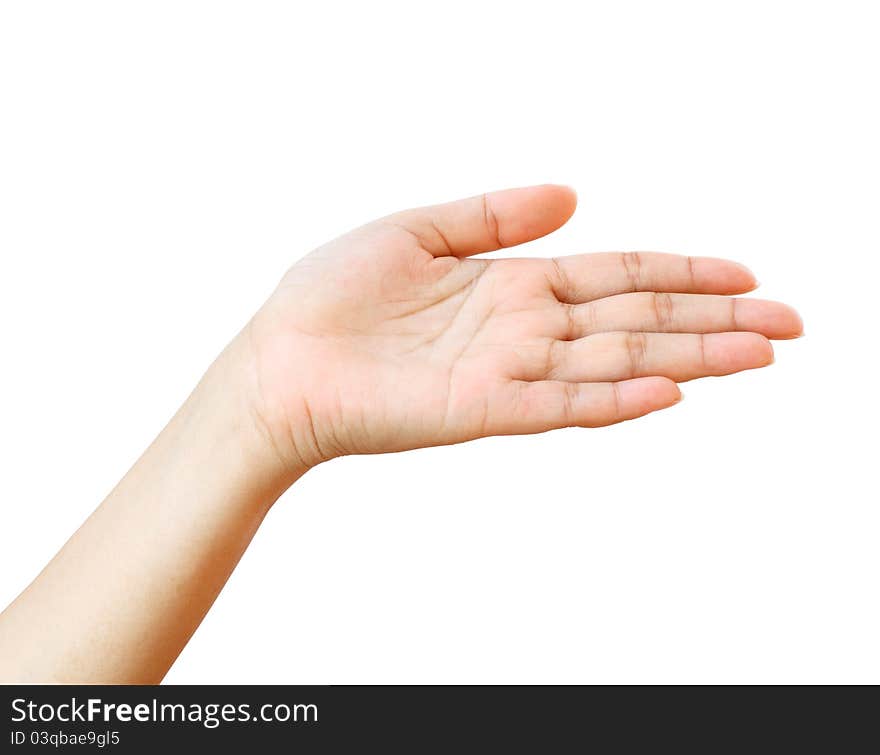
{"x": 606, "y": 357}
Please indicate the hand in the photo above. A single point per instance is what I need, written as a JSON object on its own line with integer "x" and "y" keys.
{"x": 390, "y": 338}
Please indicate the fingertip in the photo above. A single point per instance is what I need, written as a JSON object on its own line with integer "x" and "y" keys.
{"x": 666, "y": 391}
{"x": 567, "y": 196}
{"x": 721, "y": 276}
{"x": 762, "y": 349}
{"x": 770, "y": 318}
{"x": 647, "y": 394}
{"x": 559, "y": 201}
{"x": 527, "y": 213}
{"x": 797, "y": 324}
{"x": 744, "y": 275}
{"x": 726, "y": 353}
{"x": 561, "y": 194}
{"x": 563, "y": 198}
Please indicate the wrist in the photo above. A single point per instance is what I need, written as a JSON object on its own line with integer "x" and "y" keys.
{"x": 228, "y": 404}
{"x": 290, "y": 376}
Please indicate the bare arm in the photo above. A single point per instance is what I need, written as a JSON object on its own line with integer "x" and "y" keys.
{"x": 123, "y": 596}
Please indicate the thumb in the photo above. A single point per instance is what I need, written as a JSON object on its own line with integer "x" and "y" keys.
{"x": 488, "y": 222}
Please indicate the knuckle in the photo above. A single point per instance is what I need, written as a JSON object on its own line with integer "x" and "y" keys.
{"x": 559, "y": 281}
{"x": 692, "y": 278}
{"x": 552, "y": 358}
{"x": 616, "y": 404}
{"x": 636, "y": 346}
{"x": 491, "y": 221}
{"x": 632, "y": 269}
{"x": 663, "y": 310}
{"x": 701, "y": 355}
{"x": 569, "y": 404}
{"x": 569, "y": 324}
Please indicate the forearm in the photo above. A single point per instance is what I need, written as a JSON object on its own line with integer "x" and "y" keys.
{"x": 123, "y": 596}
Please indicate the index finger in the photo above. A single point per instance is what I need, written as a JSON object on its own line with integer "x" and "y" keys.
{"x": 580, "y": 278}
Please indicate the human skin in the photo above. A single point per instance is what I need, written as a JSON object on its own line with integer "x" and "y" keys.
{"x": 386, "y": 339}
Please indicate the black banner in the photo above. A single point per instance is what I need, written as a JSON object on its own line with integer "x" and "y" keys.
{"x": 410, "y": 719}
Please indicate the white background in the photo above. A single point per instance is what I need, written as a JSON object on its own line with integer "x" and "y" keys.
{"x": 161, "y": 164}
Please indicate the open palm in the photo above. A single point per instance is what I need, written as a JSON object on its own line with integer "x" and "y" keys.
{"x": 391, "y": 338}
